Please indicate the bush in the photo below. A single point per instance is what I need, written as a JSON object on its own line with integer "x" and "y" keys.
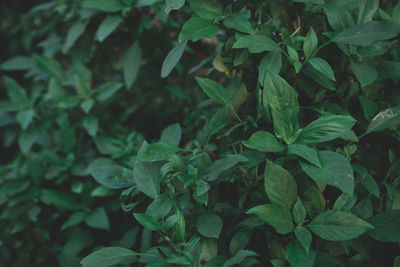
{"x": 200, "y": 133}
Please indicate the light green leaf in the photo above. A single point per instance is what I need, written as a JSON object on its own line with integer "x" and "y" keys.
{"x": 215, "y": 91}
{"x": 109, "y": 256}
{"x": 107, "y": 27}
{"x": 147, "y": 221}
{"x": 385, "y": 119}
{"x": 98, "y": 219}
{"x": 325, "y": 129}
{"x": 368, "y": 33}
{"x": 280, "y": 185}
{"x": 172, "y": 59}
{"x": 147, "y": 175}
{"x": 207, "y": 9}
{"x": 305, "y": 152}
{"x": 106, "y": 172}
{"x": 257, "y": 43}
{"x": 103, "y": 5}
{"x": 132, "y": 62}
{"x": 196, "y": 28}
{"x": 322, "y": 66}
{"x": 367, "y": 10}
{"x": 334, "y": 225}
{"x": 335, "y": 171}
{"x": 209, "y": 225}
{"x": 73, "y": 35}
{"x": 387, "y": 226}
{"x": 365, "y": 73}
{"x": 264, "y": 142}
{"x": 310, "y": 43}
{"x": 158, "y": 152}
{"x": 275, "y": 215}
{"x": 173, "y": 5}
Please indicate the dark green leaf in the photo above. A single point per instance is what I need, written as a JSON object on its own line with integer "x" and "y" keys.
{"x": 103, "y": 5}
{"x": 257, "y": 43}
{"x": 172, "y": 134}
{"x": 304, "y": 237}
{"x": 158, "y": 152}
{"x": 365, "y": 73}
{"x": 310, "y": 43}
{"x": 322, "y": 66}
{"x": 207, "y": 9}
{"x": 147, "y": 221}
{"x": 387, "y": 226}
{"x": 240, "y": 22}
{"x": 270, "y": 62}
{"x": 338, "y": 17}
{"x": 106, "y": 172}
{"x": 73, "y": 35}
{"x": 226, "y": 163}
{"x": 385, "y": 119}
{"x": 239, "y": 257}
{"x": 98, "y": 219}
{"x": 172, "y": 59}
{"x": 264, "y": 142}
{"x": 91, "y": 125}
{"x": 49, "y": 66}
{"x": 275, "y": 215}
{"x": 107, "y": 27}
{"x": 298, "y": 257}
{"x": 173, "y": 5}
{"x": 305, "y": 152}
{"x": 60, "y": 200}
{"x": 197, "y": 28}
{"x": 209, "y": 225}
{"x": 299, "y": 212}
{"x": 132, "y": 61}
{"x": 215, "y": 91}
{"x": 367, "y": 10}
{"x": 109, "y": 256}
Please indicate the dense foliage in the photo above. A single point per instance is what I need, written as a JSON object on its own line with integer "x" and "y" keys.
{"x": 200, "y": 133}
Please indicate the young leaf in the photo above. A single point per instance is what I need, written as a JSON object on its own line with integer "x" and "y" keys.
{"x": 325, "y": 129}
{"x": 158, "y": 152}
{"x": 109, "y": 256}
{"x": 305, "y": 152}
{"x": 172, "y": 59}
{"x": 257, "y": 43}
{"x": 264, "y": 142}
{"x": 385, "y": 119}
{"x": 368, "y": 33}
{"x": 107, "y": 27}
{"x": 275, "y": 215}
{"x": 147, "y": 221}
{"x": 209, "y": 225}
{"x": 322, "y": 66}
{"x": 310, "y": 43}
{"x": 132, "y": 60}
{"x": 215, "y": 91}
{"x": 335, "y": 171}
{"x": 197, "y": 28}
{"x": 334, "y": 225}
{"x": 207, "y": 9}
{"x": 280, "y": 185}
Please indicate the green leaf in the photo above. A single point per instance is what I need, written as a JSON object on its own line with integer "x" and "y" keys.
{"x": 367, "y": 10}
{"x": 282, "y": 99}
{"x": 83, "y": 80}
{"x": 207, "y": 9}
{"x": 172, "y": 134}
{"x": 270, "y": 62}
{"x": 160, "y": 207}
{"x": 18, "y": 63}
{"x": 27, "y": 139}
{"x": 338, "y": 17}
{"x": 299, "y": 212}
{"x": 103, "y": 5}
{"x": 173, "y": 5}
{"x": 106, "y": 172}
{"x": 257, "y": 43}
{"x": 16, "y": 93}
{"x": 209, "y": 225}
{"x": 385, "y": 119}
{"x": 365, "y": 73}
{"x": 49, "y": 66}
{"x": 239, "y": 241}
{"x": 367, "y": 180}
{"x": 141, "y": 3}
{"x": 215, "y": 91}
{"x": 107, "y": 26}
{"x": 197, "y": 28}
{"x": 109, "y": 256}
{"x": 239, "y": 257}
{"x": 13, "y": 187}
{"x": 132, "y": 60}
{"x": 325, "y": 129}
{"x": 275, "y": 215}
{"x": 60, "y": 200}
{"x": 91, "y": 124}
{"x": 368, "y": 33}
{"x": 106, "y": 90}
{"x": 158, "y": 152}
{"x": 147, "y": 221}
{"x": 387, "y": 226}
{"x": 74, "y": 219}
{"x": 369, "y": 107}
{"x": 264, "y": 142}
{"x": 98, "y": 219}
{"x": 310, "y": 43}
{"x": 318, "y": 77}
{"x": 73, "y": 35}
{"x": 172, "y": 59}
{"x": 305, "y": 152}
{"x": 298, "y": 257}
{"x": 335, "y": 171}
{"x": 280, "y": 185}
{"x": 220, "y": 165}
{"x": 322, "y": 66}
{"x": 304, "y": 237}
{"x": 240, "y": 22}
{"x": 334, "y": 225}
{"x": 147, "y": 175}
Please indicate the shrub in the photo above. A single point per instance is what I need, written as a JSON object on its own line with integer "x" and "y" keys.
{"x": 200, "y": 133}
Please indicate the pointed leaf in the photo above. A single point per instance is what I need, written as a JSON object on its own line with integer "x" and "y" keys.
{"x": 215, "y": 91}
{"x": 264, "y": 142}
{"x": 275, "y": 215}
{"x": 257, "y": 43}
{"x": 172, "y": 59}
{"x": 109, "y": 256}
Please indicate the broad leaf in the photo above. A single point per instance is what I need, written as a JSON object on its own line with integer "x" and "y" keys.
{"x": 196, "y": 28}
{"x": 147, "y": 221}
{"x": 240, "y": 22}
{"x": 207, "y": 9}
{"x": 270, "y": 62}
{"x": 257, "y": 43}
{"x": 264, "y": 142}
{"x": 335, "y": 171}
{"x": 334, "y": 225}
{"x": 298, "y": 257}
{"x": 387, "y": 226}
{"x": 275, "y": 215}
{"x": 107, "y": 172}
{"x": 305, "y": 152}
{"x": 304, "y": 237}
{"x": 367, "y": 10}
{"x": 322, "y": 66}
{"x": 220, "y": 165}
{"x": 173, "y": 5}
{"x": 172, "y": 134}
{"x": 158, "y": 152}
{"x": 310, "y": 43}
{"x": 239, "y": 257}
{"x": 209, "y": 225}
{"x": 73, "y": 35}
{"x": 385, "y": 119}
{"x": 109, "y": 256}
{"x": 365, "y": 73}
{"x": 98, "y": 219}
{"x": 103, "y": 5}
{"x": 60, "y": 200}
